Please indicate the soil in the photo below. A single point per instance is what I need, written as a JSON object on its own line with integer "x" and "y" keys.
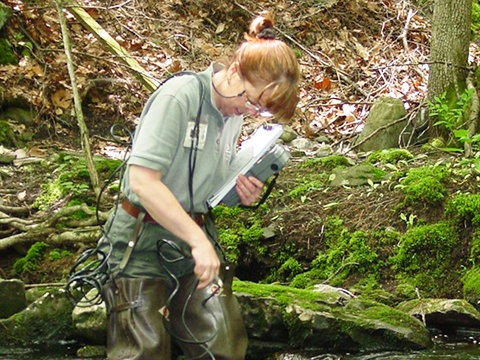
{"x": 332, "y": 38}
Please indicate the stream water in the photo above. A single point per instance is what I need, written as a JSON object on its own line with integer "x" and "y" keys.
{"x": 452, "y": 351}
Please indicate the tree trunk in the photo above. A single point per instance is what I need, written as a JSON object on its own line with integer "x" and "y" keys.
{"x": 449, "y": 46}
{"x": 449, "y": 49}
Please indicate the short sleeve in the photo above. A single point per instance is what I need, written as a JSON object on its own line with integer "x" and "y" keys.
{"x": 159, "y": 134}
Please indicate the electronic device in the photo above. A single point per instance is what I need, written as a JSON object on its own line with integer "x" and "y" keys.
{"x": 258, "y": 156}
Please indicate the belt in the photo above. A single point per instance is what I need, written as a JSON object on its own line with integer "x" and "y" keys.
{"x": 132, "y": 210}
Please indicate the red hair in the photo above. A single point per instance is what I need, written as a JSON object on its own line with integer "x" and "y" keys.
{"x": 267, "y": 61}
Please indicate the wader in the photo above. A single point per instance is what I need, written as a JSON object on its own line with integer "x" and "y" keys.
{"x": 141, "y": 327}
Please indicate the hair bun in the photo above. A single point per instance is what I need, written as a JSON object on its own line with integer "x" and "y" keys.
{"x": 262, "y": 26}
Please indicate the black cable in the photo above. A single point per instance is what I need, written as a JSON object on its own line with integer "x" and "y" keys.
{"x": 183, "y": 256}
{"x": 91, "y": 268}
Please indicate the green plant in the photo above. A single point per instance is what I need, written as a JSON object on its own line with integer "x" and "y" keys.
{"x": 408, "y": 220}
{"x": 30, "y": 262}
{"x": 451, "y": 116}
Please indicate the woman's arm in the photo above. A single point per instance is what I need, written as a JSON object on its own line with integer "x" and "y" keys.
{"x": 162, "y": 205}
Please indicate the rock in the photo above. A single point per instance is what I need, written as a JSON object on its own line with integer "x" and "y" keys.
{"x": 288, "y": 135}
{"x": 442, "y": 313}
{"x": 356, "y": 175}
{"x": 385, "y": 111}
{"x": 12, "y": 297}
{"x": 46, "y": 321}
{"x": 90, "y": 322}
{"x": 302, "y": 144}
{"x": 92, "y": 352}
{"x": 318, "y": 320}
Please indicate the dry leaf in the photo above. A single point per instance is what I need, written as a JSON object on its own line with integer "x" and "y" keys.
{"x": 22, "y": 195}
{"x": 220, "y": 28}
{"x": 62, "y": 99}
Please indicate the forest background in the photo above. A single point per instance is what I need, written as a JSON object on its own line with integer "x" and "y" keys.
{"x": 412, "y": 219}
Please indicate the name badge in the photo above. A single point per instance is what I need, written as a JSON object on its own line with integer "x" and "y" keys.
{"x": 190, "y": 134}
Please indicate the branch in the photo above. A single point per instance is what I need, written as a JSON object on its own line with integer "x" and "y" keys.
{"x": 17, "y": 210}
{"x": 78, "y": 103}
{"x": 340, "y": 73}
{"x": 379, "y": 129}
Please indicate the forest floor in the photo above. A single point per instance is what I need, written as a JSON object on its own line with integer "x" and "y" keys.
{"x": 351, "y": 53}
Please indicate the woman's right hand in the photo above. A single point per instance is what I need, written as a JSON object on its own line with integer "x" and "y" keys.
{"x": 207, "y": 264}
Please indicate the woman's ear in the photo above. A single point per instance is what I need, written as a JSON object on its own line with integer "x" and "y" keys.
{"x": 233, "y": 70}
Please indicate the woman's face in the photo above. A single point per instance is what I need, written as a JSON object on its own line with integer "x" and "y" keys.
{"x": 249, "y": 102}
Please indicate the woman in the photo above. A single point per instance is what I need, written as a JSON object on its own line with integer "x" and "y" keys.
{"x": 164, "y": 255}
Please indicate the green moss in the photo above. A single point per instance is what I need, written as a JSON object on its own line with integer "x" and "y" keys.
{"x": 286, "y": 272}
{"x": 475, "y": 248}
{"x": 306, "y": 187}
{"x": 424, "y": 253}
{"x": 389, "y": 156}
{"x": 326, "y": 163}
{"x": 6, "y": 54}
{"x": 30, "y": 262}
{"x": 471, "y": 285}
{"x": 424, "y": 185}
{"x": 464, "y": 209}
{"x": 475, "y": 24}
{"x": 5, "y": 129}
{"x": 237, "y": 229}
{"x": 57, "y": 254}
{"x": 287, "y": 295}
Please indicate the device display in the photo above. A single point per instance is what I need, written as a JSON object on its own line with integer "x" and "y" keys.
{"x": 258, "y": 156}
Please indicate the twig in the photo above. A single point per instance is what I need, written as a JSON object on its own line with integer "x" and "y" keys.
{"x": 377, "y": 130}
{"x": 420, "y": 302}
{"x": 78, "y": 103}
{"x": 403, "y": 36}
{"x": 312, "y": 55}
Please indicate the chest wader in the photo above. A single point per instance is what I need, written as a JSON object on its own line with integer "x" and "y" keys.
{"x": 205, "y": 323}
{"x": 135, "y": 330}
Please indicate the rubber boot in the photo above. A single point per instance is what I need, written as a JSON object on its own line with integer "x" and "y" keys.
{"x": 135, "y": 330}
{"x": 210, "y": 328}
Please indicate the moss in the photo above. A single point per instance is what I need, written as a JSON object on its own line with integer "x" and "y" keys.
{"x": 237, "y": 229}
{"x": 5, "y": 130}
{"x": 287, "y": 295}
{"x": 6, "y": 54}
{"x": 57, "y": 254}
{"x": 424, "y": 253}
{"x": 389, "y": 156}
{"x": 424, "y": 185}
{"x": 30, "y": 262}
{"x": 475, "y": 24}
{"x": 475, "y": 248}
{"x": 306, "y": 187}
{"x": 464, "y": 209}
{"x": 471, "y": 285}
{"x": 286, "y": 271}
{"x": 327, "y": 163}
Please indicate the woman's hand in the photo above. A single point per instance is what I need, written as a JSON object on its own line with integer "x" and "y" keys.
{"x": 207, "y": 264}
{"x": 249, "y": 189}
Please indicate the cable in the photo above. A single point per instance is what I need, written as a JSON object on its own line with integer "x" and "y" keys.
{"x": 91, "y": 268}
{"x": 163, "y": 262}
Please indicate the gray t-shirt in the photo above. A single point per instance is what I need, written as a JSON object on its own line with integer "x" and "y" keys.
{"x": 162, "y": 139}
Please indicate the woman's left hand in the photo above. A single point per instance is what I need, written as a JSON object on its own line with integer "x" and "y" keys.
{"x": 249, "y": 189}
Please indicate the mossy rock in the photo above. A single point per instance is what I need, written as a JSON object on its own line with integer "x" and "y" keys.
{"x": 47, "y": 321}
{"x": 389, "y": 156}
{"x": 356, "y": 175}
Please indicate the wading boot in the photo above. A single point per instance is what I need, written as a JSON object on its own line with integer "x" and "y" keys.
{"x": 135, "y": 329}
{"x": 208, "y": 322}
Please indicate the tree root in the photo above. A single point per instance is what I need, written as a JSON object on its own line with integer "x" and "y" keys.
{"x": 44, "y": 228}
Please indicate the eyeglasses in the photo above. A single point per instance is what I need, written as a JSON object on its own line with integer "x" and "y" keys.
{"x": 259, "y": 111}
